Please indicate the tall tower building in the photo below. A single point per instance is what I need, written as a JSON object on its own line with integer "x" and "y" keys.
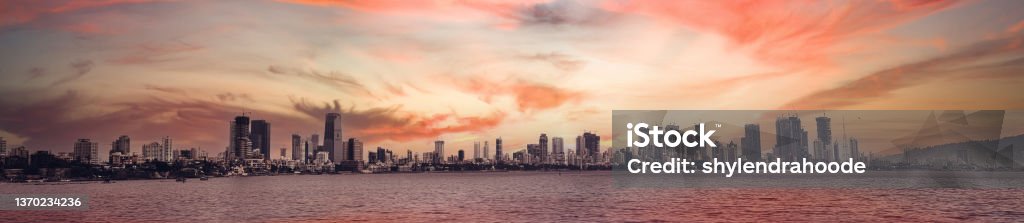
{"x": 824, "y": 131}
{"x": 3, "y": 147}
{"x": 592, "y": 145}
{"x": 167, "y": 152}
{"x": 543, "y": 144}
{"x": 86, "y": 151}
{"x": 297, "y": 147}
{"x": 486, "y": 151}
{"x": 854, "y": 151}
{"x": 260, "y": 137}
{"x": 332, "y": 135}
{"x": 750, "y": 144}
{"x": 497, "y": 150}
{"x": 790, "y": 139}
{"x": 476, "y": 150}
{"x": 438, "y": 151}
{"x": 239, "y": 130}
{"x": 558, "y": 150}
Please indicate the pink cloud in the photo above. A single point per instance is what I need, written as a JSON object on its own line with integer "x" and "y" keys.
{"x": 785, "y": 32}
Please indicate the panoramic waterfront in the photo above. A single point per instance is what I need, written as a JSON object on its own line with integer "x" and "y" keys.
{"x": 511, "y": 196}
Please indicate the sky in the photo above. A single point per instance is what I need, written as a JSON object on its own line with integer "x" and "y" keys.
{"x": 406, "y": 73}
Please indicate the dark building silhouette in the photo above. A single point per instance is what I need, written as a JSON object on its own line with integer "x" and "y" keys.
{"x": 332, "y": 134}
{"x": 121, "y": 144}
{"x": 824, "y": 139}
{"x": 497, "y": 150}
{"x": 239, "y": 134}
{"x": 260, "y": 137}
{"x": 592, "y": 145}
{"x": 790, "y": 139}
{"x": 297, "y": 147}
{"x": 462, "y": 155}
{"x": 543, "y": 148}
{"x": 750, "y": 144}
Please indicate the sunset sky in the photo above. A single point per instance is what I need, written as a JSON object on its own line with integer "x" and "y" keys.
{"x": 405, "y": 73}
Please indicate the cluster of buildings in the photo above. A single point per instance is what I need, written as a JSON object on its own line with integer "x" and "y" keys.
{"x": 249, "y": 151}
{"x": 791, "y": 144}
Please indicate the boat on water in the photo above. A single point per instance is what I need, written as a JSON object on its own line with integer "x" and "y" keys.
{"x": 204, "y": 178}
{"x": 108, "y": 181}
{"x": 180, "y": 179}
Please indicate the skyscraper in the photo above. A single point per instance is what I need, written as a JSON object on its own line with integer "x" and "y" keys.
{"x": 486, "y": 151}
{"x": 240, "y": 133}
{"x": 167, "y": 152}
{"x": 260, "y": 137}
{"x": 86, "y": 151}
{"x": 558, "y": 150}
{"x": 462, "y": 155}
{"x": 297, "y": 147}
{"x": 543, "y": 144}
{"x": 854, "y": 151}
{"x": 592, "y": 145}
{"x": 750, "y": 144}
{"x": 790, "y": 138}
{"x": 824, "y": 131}
{"x": 438, "y": 151}
{"x": 497, "y": 150}
{"x": 354, "y": 148}
{"x": 121, "y": 144}
{"x": 332, "y": 135}
{"x": 3, "y": 147}
{"x": 476, "y": 150}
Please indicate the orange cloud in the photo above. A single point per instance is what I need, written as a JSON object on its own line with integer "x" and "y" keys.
{"x": 378, "y": 124}
{"x": 980, "y": 60}
{"x": 786, "y": 32}
{"x": 529, "y": 96}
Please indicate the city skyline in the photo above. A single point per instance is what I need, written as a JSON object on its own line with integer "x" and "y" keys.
{"x": 408, "y": 74}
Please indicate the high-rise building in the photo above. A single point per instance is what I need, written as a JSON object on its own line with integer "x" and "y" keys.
{"x": 87, "y": 151}
{"x": 167, "y": 152}
{"x": 260, "y": 137}
{"x": 824, "y": 131}
{"x": 533, "y": 154}
{"x": 543, "y": 147}
{"x": 486, "y": 151}
{"x": 3, "y": 147}
{"x": 462, "y": 155}
{"x": 240, "y": 133}
{"x": 122, "y": 145}
{"x": 592, "y": 145}
{"x": 308, "y": 151}
{"x": 731, "y": 151}
{"x": 558, "y": 150}
{"x": 297, "y": 147}
{"x": 750, "y": 144}
{"x": 151, "y": 151}
{"x": 497, "y": 150}
{"x": 854, "y": 150}
{"x": 438, "y": 151}
{"x": 476, "y": 150}
{"x": 790, "y": 139}
{"x": 332, "y": 135}
{"x": 354, "y": 148}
